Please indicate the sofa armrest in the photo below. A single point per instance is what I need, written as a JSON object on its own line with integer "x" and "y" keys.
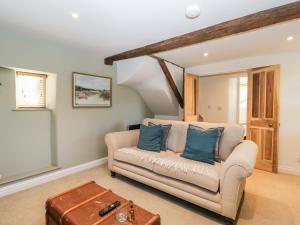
{"x": 237, "y": 167}
{"x": 117, "y": 140}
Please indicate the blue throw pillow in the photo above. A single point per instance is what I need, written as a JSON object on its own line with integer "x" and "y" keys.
{"x": 200, "y": 145}
{"x": 220, "y": 131}
{"x": 150, "y": 138}
{"x": 165, "y": 129}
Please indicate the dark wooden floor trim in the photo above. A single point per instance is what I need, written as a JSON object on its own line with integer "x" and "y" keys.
{"x": 171, "y": 81}
{"x": 250, "y": 22}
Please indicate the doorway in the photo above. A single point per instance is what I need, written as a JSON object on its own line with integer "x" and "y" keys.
{"x": 249, "y": 98}
{"x": 223, "y": 98}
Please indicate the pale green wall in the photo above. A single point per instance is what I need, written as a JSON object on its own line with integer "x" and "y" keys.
{"x": 79, "y": 132}
{"x": 25, "y": 136}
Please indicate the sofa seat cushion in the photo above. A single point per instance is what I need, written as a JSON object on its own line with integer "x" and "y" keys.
{"x": 139, "y": 157}
{"x": 198, "y": 173}
{"x": 164, "y": 180}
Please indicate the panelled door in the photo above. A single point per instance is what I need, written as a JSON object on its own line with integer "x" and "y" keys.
{"x": 191, "y": 97}
{"x": 263, "y": 118}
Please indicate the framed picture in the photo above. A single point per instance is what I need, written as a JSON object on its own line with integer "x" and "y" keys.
{"x": 91, "y": 90}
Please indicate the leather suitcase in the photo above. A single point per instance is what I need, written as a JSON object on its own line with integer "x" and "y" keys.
{"x": 81, "y": 206}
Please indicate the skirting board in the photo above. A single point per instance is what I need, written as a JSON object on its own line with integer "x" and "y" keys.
{"x": 44, "y": 178}
{"x": 288, "y": 170}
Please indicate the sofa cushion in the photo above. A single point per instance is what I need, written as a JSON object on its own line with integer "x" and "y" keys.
{"x": 170, "y": 164}
{"x": 150, "y": 138}
{"x": 201, "y": 174}
{"x": 138, "y": 157}
{"x": 177, "y": 135}
{"x": 232, "y": 135}
{"x": 164, "y": 180}
{"x": 201, "y": 144}
{"x": 165, "y": 129}
{"x": 217, "y": 157}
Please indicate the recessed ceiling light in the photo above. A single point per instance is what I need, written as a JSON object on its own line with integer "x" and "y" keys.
{"x": 192, "y": 11}
{"x": 205, "y": 54}
{"x": 75, "y": 15}
{"x": 290, "y": 38}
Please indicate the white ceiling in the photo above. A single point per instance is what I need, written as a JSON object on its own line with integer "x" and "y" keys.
{"x": 269, "y": 40}
{"x": 113, "y": 26}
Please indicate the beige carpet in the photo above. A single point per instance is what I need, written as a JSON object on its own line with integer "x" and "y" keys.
{"x": 271, "y": 199}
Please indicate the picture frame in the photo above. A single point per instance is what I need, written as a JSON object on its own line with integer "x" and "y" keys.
{"x": 91, "y": 91}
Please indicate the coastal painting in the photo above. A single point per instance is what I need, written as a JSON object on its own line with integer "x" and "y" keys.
{"x": 91, "y": 90}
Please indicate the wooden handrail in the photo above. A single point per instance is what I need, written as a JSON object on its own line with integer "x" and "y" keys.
{"x": 171, "y": 81}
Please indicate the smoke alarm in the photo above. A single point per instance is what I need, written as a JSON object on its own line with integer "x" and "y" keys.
{"x": 192, "y": 11}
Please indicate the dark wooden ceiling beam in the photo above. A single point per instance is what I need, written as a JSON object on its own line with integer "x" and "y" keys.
{"x": 250, "y": 22}
{"x": 171, "y": 81}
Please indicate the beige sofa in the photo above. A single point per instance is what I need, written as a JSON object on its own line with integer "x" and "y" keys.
{"x": 218, "y": 187}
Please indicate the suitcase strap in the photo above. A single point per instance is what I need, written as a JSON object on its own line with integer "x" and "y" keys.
{"x": 80, "y": 204}
{"x": 112, "y": 212}
{"x": 155, "y": 218}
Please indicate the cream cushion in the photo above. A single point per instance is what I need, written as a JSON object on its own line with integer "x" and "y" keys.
{"x": 138, "y": 157}
{"x": 178, "y": 184}
{"x": 232, "y": 135}
{"x": 177, "y": 135}
{"x": 201, "y": 174}
{"x": 170, "y": 164}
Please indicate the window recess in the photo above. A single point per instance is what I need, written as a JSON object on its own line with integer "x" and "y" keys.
{"x": 30, "y": 90}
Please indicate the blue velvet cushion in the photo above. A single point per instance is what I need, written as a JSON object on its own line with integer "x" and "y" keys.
{"x": 220, "y": 131}
{"x": 200, "y": 144}
{"x": 165, "y": 129}
{"x": 150, "y": 138}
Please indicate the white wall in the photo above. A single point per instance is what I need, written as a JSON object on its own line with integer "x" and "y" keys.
{"x": 218, "y": 98}
{"x": 145, "y": 75}
{"x": 289, "y": 139}
{"x": 213, "y": 99}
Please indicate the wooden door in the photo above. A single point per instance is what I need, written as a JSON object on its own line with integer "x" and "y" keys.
{"x": 263, "y": 117}
{"x": 191, "y": 97}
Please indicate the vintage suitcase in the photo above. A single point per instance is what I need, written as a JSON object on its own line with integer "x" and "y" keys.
{"x": 81, "y": 206}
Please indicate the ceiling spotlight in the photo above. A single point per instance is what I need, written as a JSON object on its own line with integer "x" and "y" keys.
{"x": 192, "y": 11}
{"x": 75, "y": 15}
{"x": 290, "y": 38}
{"x": 205, "y": 54}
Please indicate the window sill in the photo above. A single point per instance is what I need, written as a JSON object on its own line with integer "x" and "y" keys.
{"x": 30, "y": 109}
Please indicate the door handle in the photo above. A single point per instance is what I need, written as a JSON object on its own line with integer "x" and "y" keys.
{"x": 270, "y": 124}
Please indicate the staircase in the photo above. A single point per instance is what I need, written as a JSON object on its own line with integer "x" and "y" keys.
{"x": 146, "y": 75}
